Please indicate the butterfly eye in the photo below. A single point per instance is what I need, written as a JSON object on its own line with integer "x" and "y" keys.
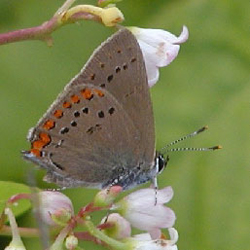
{"x": 160, "y": 163}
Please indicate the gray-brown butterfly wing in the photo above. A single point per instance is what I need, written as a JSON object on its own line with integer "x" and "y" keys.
{"x": 100, "y": 128}
{"x": 119, "y": 67}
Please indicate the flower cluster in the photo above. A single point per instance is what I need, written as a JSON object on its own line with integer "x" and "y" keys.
{"x": 139, "y": 210}
{"x": 136, "y": 210}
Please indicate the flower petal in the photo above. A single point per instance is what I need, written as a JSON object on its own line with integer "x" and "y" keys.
{"x": 153, "y": 75}
{"x": 140, "y": 210}
{"x": 159, "y": 48}
{"x": 155, "y": 234}
{"x": 151, "y": 218}
{"x": 182, "y": 38}
{"x": 146, "y": 196}
{"x": 144, "y": 241}
{"x": 144, "y": 236}
{"x": 173, "y": 236}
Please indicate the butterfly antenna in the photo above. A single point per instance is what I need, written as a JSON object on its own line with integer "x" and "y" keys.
{"x": 193, "y": 149}
{"x": 168, "y": 149}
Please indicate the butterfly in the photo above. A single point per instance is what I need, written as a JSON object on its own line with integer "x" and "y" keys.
{"x": 100, "y": 131}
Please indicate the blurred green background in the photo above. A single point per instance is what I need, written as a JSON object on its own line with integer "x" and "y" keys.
{"x": 208, "y": 83}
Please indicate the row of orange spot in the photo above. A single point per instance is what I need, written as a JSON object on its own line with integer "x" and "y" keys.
{"x": 44, "y": 139}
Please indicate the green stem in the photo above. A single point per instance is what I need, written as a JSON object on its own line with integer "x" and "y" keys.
{"x": 58, "y": 243}
{"x": 109, "y": 17}
{"x": 24, "y": 232}
{"x": 103, "y": 237}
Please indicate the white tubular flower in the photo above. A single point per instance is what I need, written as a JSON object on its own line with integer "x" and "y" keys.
{"x": 55, "y": 208}
{"x": 159, "y": 48}
{"x": 140, "y": 210}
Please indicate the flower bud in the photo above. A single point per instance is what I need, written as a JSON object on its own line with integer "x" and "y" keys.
{"x": 106, "y": 196}
{"x": 120, "y": 227}
{"x": 55, "y": 208}
{"x": 71, "y": 242}
{"x": 111, "y": 16}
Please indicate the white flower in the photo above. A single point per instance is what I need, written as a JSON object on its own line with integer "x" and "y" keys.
{"x": 143, "y": 241}
{"x": 159, "y": 48}
{"x": 55, "y": 208}
{"x": 140, "y": 210}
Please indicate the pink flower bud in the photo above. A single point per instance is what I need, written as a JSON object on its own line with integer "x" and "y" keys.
{"x": 106, "y": 197}
{"x": 55, "y": 208}
{"x": 159, "y": 48}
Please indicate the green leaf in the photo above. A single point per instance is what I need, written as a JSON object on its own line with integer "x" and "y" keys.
{"x": 7, "y": 189}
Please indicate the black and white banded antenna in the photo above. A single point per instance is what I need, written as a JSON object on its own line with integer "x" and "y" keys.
{"x": 167, "y": 148}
